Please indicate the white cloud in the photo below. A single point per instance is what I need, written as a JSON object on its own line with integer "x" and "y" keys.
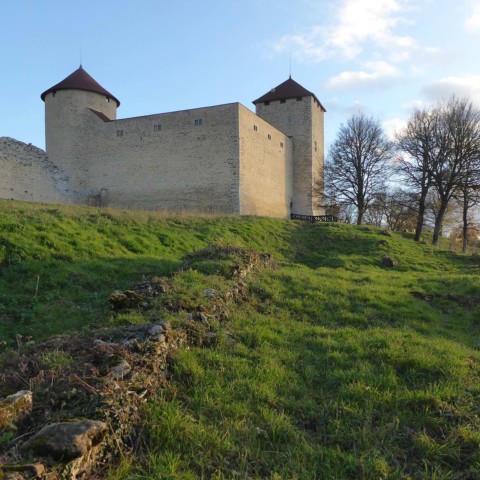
{"x": 413, "y": 105}
{"x": 394, "y": 126}
{"x": 472, "y": 24}
{"x": 465, "y": 86}
{"x": 309, "y": 46}
{"x": 363, "y": 27}
{"x": 374, "y": 74}
{"x": 357, "y": 24}
{"x": 360, "y": 21}
{"x": 357, "y": 107}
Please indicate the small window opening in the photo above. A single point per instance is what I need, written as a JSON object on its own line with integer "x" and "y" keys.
{"x": 266, "y": 103}
{"x": 54, "y": 93}
{"x": 299, "y": 99}
{"x": 255, "y": 127}
{"x": 269, "y": 137}
{"x": 281, "y": 144}
{"x": 107, "y": 99}
{"x": 283, "y": 100}
{"x": 157, "y": 128}
{"x": 315, "y": 146}
{"x": 199, "y": 122}
{"x": 119, "y": 133}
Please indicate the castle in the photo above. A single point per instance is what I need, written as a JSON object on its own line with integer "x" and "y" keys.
{"x": 221, "y": 159}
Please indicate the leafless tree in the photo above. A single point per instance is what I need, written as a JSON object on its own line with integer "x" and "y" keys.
{"x": 468, "y": 195}
{"x": 459, "y": 149}
{"x": 375, "y": 213}
{"x": 394, "y": 208}
{"x": 457, "y": 236}
{"x": 357, "y": 165}
{"x": 450, "y": 218}
{"x": 328, "y": 200}
{"x": 419, "y": 148}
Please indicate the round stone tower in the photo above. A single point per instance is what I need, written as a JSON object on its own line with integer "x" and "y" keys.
{"x": 72, "y": 111}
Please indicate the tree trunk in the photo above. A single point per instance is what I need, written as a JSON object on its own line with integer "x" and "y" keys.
{"x": 439, "y": 221}
{"x": 465, "y": 224}
{"x": 360, "y": 216}
{"x": 421, "y": 215}
{"x": 360, "y": 211}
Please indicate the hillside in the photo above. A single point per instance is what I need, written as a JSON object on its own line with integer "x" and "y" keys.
{"x": 299, "y": 352}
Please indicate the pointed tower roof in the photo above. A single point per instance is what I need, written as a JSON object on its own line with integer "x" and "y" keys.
{"x": 288, "y": 89}
{"x": 80, "y": 80}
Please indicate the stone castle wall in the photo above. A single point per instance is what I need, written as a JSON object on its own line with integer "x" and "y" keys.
{"x": 318, "y": 157}
{"x": 69, "y": 127}
{"x": 220, "y": 159}
{"x": 179, "y": 161}
{"x": 265, "y": 167}
{"x": 175, "y": 161}
{"x": 301, "y": 119}
{"x": 28, "y": 175}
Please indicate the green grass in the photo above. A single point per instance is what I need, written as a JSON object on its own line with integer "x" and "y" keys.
{"x": 58, "y": 265}
{"x": 335, "y": 367}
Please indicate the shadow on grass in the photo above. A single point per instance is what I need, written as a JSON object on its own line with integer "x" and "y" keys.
{"x": 326, "y": 245}
{"x": 49, "y": 297}
{"x": 335, "y": 245}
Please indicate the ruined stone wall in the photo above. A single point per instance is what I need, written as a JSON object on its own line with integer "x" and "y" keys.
{"x": 179, "y": 161}
{"x": 27, "y": 174}
{"x": 295, "y": 117}
{"x": 265, "y": 167}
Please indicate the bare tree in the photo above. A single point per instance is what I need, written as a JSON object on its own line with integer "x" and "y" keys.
{"x": 469, "y": 196}
{"x": 328, "y": 200}
{"x": 358, "y": 163}
{"x": 401, "y": 210}
{"x": 451, "y": 215}
{"x": 419, "y": 147}
{"x": 375, "y": 213}
{"x": 459, "y": 148}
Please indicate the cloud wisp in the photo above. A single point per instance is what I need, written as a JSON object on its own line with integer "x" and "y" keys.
{"x": 367, "y": 32}
{"x": 472, "y": 23}
{"x": 462, "y": 86}
{"x": 375, "y": 73}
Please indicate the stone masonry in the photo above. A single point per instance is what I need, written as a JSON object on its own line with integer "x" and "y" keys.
{"x": 220, "y": 159}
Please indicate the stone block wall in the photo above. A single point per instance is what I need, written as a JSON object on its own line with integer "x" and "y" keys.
{"x": 179, "y": 161}
{"x": 265, "y": 167}
{"x": 301, "y": 119}
{"x": 28, "y": 175}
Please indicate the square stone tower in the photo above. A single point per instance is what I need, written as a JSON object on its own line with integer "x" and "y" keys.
{"x": 298, "y": 114}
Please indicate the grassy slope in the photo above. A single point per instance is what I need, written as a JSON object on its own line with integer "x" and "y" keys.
{"x": 337, "y": 370}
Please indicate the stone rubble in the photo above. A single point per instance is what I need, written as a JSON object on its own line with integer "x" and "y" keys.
{"x": 112, "y": 374}
{"x": 66, "y": 440}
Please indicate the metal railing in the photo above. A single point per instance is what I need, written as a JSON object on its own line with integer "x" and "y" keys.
{"x": 314, "y": 218}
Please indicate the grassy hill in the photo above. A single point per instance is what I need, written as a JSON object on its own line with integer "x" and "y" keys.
{"x": 333, "y": 367}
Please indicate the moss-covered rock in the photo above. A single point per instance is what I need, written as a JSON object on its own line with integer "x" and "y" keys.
{"x": 15, "y": 408}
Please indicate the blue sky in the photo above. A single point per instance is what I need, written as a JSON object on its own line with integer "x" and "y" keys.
{"x": 380, "y": 56}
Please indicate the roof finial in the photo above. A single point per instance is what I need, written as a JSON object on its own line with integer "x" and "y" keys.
{"x": 81, "y": 57}
{"x": 290, "y": 66}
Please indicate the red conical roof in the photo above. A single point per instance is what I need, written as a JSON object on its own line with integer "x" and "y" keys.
{"x": 288, "y": 89}
{"x": 80, "y": 80}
